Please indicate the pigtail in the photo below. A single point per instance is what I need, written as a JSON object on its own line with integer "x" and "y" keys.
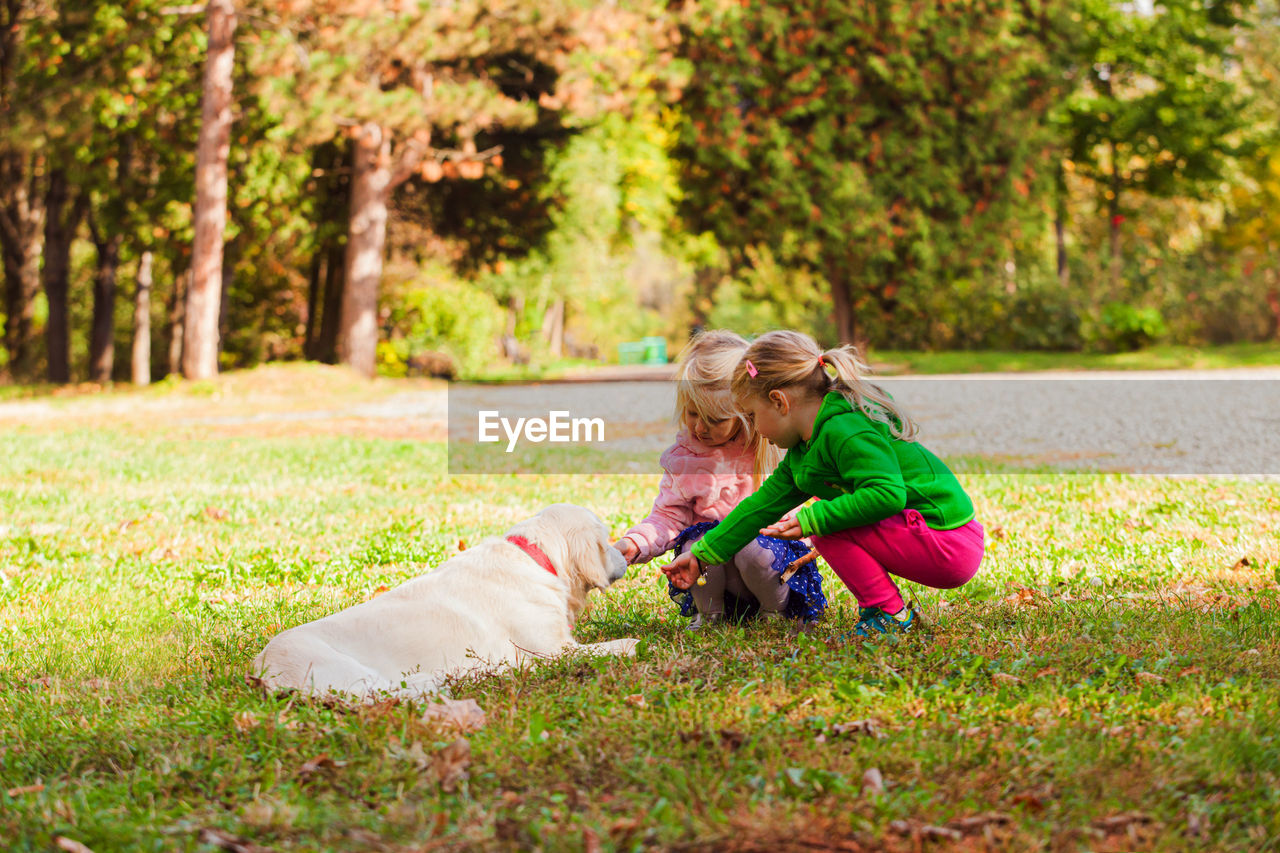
{"x": 846, "y": 373}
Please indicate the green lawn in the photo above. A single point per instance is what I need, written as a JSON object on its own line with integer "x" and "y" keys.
{"x": 1151, "y": 358}
{"x": 1108, "y": 682}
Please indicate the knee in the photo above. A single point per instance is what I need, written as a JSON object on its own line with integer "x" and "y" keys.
{"x": 754, "y": 561}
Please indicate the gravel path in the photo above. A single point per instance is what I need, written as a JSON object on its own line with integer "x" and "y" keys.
{"x": 1163, "y": 422}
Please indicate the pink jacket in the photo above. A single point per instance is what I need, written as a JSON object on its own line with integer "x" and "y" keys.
{"x": 699, "y": 483}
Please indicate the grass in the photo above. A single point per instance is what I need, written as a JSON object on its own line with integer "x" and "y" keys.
{"x": 1107, "y": 682}
{"x": 1164, "y": 357}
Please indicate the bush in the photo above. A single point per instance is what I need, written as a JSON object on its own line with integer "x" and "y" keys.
{"x": 441, "y": 315}
{"x": 1123, "y": 327}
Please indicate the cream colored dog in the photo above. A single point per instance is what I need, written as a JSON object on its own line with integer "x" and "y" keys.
{"x": 503, "y": 602}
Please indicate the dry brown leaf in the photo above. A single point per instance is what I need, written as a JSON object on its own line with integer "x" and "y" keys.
{"x": 26, "y": 789}
{"x": 590, "y": 841}
{"x": 1031, "y": 801}
{"x": 70, "y": 845}
{"x": 1021, "y": 596}
{"x": 226, "y": 841}
{"x": 450, "y": 764}
{"x": 981, "y": 821}
{"x": 636, "y": 699}
{"x": 1149, "y": 677}
{"x": 1115, "y": 823}
{"x": 464, "y": 715}
{"x": 928, "y": 831}
{"x": 214, "y": 513}
{"x": 872, "y": 781}
{"x": 870, "y": 728}
{"x": 731, "y": 740}
{"x": 1005, "y": 678}
{"x": 321, "y": 765}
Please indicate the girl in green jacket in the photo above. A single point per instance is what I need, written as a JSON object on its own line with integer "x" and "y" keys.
{"x": 887, "y": 506}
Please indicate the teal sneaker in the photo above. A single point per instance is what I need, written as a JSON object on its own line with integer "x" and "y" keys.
{"x": 872, "y": 621}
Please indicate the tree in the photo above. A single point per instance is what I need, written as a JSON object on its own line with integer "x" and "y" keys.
{"x": 200, "y": 335}
{"x": 419, "y": 91}
{"x": 891, "y": 148}
{"x": 1155, "y": 109}
{"x": 22, "y": 209}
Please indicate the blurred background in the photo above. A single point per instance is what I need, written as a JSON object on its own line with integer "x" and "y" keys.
{"x": 502, "y": 189}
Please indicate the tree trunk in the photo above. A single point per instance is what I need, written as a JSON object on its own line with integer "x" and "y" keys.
{"x": 141, "y": 356}
{"x": 1113, "y": 211}
{"x": 335, "y": 285}
{"x": 21, "y": 243}
{"x": 177, "y": 320}
{"x": 102, "y": 338}
{"x": 370, "y": 189}
{"x": 59, "y": 233}
{"x": 842, "y": 309}
{"x": 313, "y": 303}
{"x": 200, "y": 338}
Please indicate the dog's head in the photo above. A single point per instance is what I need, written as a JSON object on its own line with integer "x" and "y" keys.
{"x": 577, "y": 543}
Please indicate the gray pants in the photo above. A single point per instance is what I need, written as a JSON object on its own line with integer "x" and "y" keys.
{"x": 749, "y": 576}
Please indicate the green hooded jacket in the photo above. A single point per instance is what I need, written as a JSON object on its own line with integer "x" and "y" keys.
{"x": 862, "y": 475}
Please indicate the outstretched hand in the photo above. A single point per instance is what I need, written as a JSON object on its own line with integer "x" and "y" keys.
{"x": 785, "y": 528}
{"x": 683, "y": 570}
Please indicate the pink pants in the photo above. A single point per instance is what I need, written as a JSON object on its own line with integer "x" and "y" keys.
{"x": 902, "y": 545}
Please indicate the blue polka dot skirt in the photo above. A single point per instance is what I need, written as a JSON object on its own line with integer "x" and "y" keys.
{"x": 806, "y": 601}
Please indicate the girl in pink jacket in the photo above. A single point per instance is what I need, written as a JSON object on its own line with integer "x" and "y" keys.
{"x": 716, "y": 461}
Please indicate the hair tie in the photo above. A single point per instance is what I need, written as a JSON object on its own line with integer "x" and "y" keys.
{"x": 751, "y": 369}
{"x": 822, "y": 362}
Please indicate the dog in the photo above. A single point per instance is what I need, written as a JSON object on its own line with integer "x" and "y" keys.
{"x": 504, "y": 602}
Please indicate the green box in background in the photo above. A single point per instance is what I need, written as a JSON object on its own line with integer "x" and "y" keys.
{"x": 649, "y": 350}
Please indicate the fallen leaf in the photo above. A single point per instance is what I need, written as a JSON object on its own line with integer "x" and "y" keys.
{"x": 947, "y": 832}
{"x": 1021, "y": 595}
{"x": 731, "y": 740}
{"x": 321, "y": 765}
{"x": 590, "y": 841}
{"x": 415, "y": 753}
{"x": 70, "y": 845}
{"x": 1030, "y": 801}
{"x": 1242, "y": 563}
{"x": 870, "y": 728}
{"x": 245, "y": 720}
{"x": 872, "y": 781}
{"x": 1114, "y": 823}
{"x": 450, "y": 764}
{"x": 997, "y": 532}
{"x": 981, "y": 821}
{"x": 216, "y": 513}
{"x": 1191, "y": 670}
{"x": 465, "y": 715}
{"x": 226, "y": 841}
{"x": 1046, "y": 672}
{"x": 1149, "y": 677}
{"x": 26, "y": 789}
{"x": 1005, "y": 678}
{"x": 636, "y": 699}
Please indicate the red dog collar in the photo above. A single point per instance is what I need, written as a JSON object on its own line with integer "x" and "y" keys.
{"x": 539, "y": 556}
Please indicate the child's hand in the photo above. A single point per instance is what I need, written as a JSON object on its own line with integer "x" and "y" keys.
{"x": 786, "y": 528}
{"x": 628, "y": 548}
{"x": 683, "y": 570}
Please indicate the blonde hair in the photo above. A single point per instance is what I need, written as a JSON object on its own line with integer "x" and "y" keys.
{"x": 706, "y": 367}
{"x": 793, "y": 361}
